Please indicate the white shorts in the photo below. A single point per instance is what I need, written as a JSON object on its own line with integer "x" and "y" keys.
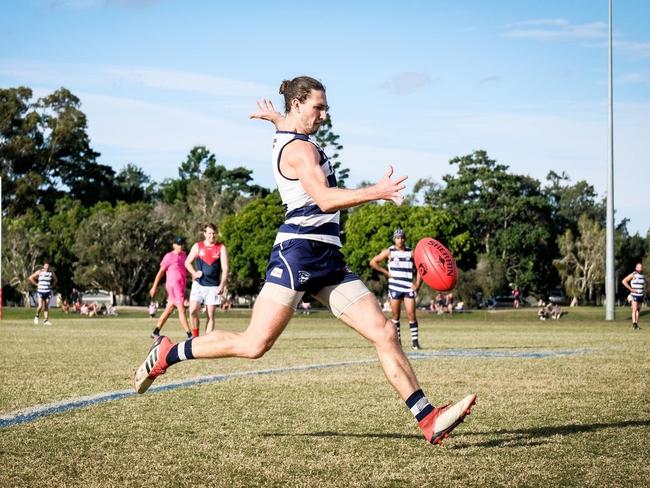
{"x": 205, "y": 294}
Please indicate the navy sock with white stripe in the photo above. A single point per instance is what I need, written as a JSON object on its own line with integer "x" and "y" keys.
{"x": 413, "y": 326}
{"x": 419, "y": 405}
{"x": 180, "y": 352}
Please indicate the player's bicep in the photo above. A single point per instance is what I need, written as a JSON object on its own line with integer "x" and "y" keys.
{"x": 304, "y": 160}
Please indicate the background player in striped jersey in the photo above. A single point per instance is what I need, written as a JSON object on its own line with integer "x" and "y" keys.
{"x": 635, "y": 282}
{"x": 44, "y": 280}
{"x": 209, "y": 278}
{"x": 306, "y": 259}
{"x": 400, "y": 282}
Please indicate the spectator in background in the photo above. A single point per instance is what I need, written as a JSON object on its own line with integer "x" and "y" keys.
{"x": 516, "y": 294}
{"x": 556, "y": 311}
{"x": 543, "y": 313}
{"x": 152, "y": 310}
{"x": 75, "y": 299}
{"x": 449, "y": 302}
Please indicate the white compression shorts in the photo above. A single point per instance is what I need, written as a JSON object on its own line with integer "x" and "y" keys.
{"x": 336, "y": 297}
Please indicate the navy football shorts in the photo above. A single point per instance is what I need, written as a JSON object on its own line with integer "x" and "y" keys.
{"x": 398, "y": 295}
{"x": 45, "y": 296}
{"x": 307, "y": 265}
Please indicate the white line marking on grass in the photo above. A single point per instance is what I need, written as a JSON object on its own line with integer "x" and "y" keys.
{"x": 33, "y": 413}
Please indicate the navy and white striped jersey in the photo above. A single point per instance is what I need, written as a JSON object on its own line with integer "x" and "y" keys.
{"x": 400, "y": 267}
{"x": 44, "y": 282}
{"x": 303, "y": 218}
{"x": 638, "y": 284}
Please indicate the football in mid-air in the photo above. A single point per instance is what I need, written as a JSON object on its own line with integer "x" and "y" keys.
{"x": 435, "y": 264}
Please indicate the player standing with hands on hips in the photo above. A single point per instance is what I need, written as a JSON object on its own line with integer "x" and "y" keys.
{"x": 400, "y": 283}
{"x": 306, "y": 259}
{"x": 44, "y": 280}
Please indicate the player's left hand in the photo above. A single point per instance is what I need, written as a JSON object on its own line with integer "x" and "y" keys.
{"x": 266, "y": 111}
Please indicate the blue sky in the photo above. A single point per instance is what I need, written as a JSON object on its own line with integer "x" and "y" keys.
{"x": 414, "y": 83}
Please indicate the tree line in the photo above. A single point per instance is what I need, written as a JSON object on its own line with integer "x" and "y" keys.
{"x": 108, "y": 230}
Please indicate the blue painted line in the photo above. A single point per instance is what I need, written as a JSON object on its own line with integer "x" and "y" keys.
{"x": 38, "y": 411}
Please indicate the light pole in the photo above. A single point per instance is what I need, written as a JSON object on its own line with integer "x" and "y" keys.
{"x": 610, "y": 275}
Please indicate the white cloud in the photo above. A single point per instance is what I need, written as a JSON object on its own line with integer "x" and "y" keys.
{"x": 556, "y": 29}
{"x": 124, "y": 77}
{"x": 407, "y": 83}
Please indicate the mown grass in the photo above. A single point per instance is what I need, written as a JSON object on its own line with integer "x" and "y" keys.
{"x": 580, "y": 419}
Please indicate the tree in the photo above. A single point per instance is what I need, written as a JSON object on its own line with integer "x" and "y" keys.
{"x": 119, "y": 249}
{"x": 249, "y": 237}
{"x": 45, "y": 152}
{"x": 61, "y": 227}
{"x": 582, "y": 262}
{"x": 23, "y": 248}
{"x": 133, "y": 185}
{"x": 569, "y": 202}
{"x": 369, "y": 229}
{"x": 507, "y": 216}
{"x": 328, "y": 141}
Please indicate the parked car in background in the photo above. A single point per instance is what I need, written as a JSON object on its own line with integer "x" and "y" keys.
{"x": 558, "y": 296}
{"x": 501, "y": 301}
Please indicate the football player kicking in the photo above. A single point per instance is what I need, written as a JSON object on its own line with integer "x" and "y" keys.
{"x": 306, "y": 259}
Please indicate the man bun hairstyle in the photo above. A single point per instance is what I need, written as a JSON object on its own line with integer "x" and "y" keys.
{"x": 299, "y": 88}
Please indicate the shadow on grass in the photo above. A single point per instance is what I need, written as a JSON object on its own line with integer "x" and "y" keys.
{"x": 505, "y": 438}
{"x": 538, "y": 435}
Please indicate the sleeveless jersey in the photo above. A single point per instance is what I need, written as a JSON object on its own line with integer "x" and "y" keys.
{"x": 44, "y": 282}
{"x": 400, "y": 267}
{"x": 303, "y": 218}
{"x": 209, "y": 261}
{"x": 638, "y": 284}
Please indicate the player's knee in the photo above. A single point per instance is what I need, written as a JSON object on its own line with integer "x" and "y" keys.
{"x": 387, "y": 334}
{"x": 257, "y": 349}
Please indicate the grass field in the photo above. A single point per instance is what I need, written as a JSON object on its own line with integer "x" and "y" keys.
{"x": 559, "y": 404}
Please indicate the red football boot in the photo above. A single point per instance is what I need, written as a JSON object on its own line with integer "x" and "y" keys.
{"x": 438, "y": 424}
{"x": 154, "y": 365}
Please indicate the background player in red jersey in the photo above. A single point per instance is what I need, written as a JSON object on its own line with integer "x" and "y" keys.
{"x": 209, "y": 277}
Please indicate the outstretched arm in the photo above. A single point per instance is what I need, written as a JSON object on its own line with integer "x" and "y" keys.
{"x": 266, "y": 111}
{"x": 301, "y": 160}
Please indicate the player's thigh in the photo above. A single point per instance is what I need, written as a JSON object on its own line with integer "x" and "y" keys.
{"x": 367, "y": 319}
{"x": 409, "y": 306}
{"x": 395, "y": 307}
{"x": 271, "y": 314}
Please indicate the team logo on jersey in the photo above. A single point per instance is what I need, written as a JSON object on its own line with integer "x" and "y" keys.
{"x": 303, "y": 277}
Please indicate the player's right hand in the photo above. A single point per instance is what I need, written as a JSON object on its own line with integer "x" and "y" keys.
{"x": 391, "y": 189}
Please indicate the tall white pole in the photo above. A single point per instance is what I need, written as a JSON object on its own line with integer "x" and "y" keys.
{"x": 0, "y": 247}
{"x": 610, "y": 274}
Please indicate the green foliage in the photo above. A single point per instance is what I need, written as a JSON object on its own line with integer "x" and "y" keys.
{"x": 62, "y": 226}
{"x": 201, "y": 166}
{"x": 45, "y": 152}
{"x": 133, "y": 185}
{"x": 369, "y": 230}
{"x": 582, "y": 262}
{"x": 119, "y": 249}
{"x": 329, "y": 143}
{"x": 23, "y": 247}
{"x": 507, "y": 215}
{"x": 248, "y": 236}
{"x": 569, "y": 202}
